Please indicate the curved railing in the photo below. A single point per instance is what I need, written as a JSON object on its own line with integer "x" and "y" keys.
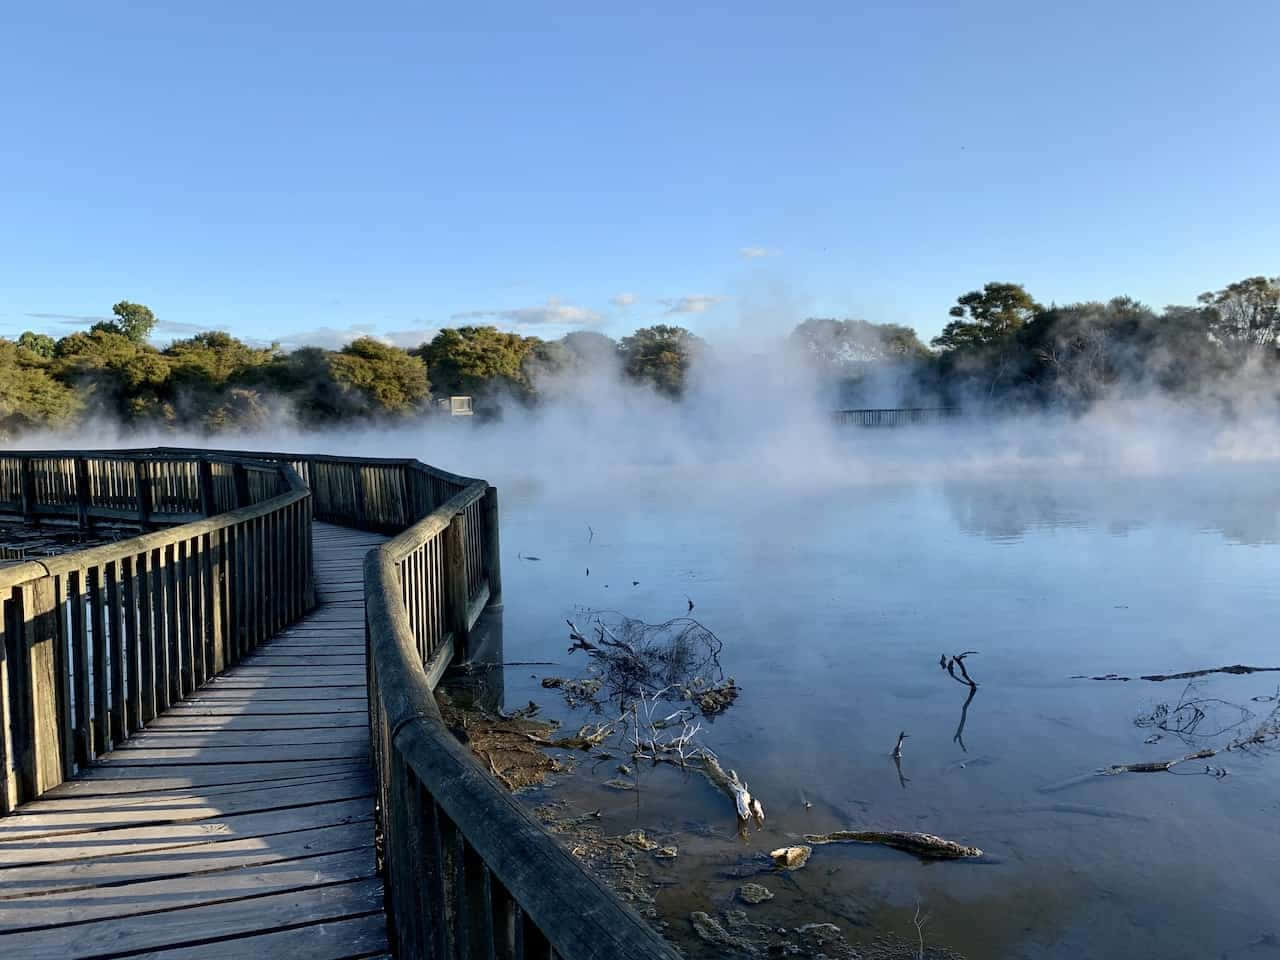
{"x": 468, "y": 872}
{"x": 96, "y": 643}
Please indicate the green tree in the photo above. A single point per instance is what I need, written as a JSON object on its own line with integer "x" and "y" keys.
{"x": 987, "y": 316}
{"x": 40, "y": 344}
{"x": 661, "y": 355}
{"x": 304, "y": 378}
{"x": 387, "y": 380}
{"x": 29, "y": 395}
{"x": 477, "y": 360}
{"x": 1245, "y": 313}
{"x": 118, "y": 374}
{"x": 215, "y": 380}
{"x": 132, "y": 320}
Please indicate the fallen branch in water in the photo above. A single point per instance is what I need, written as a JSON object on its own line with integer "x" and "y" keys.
{"x": 1236, "y": 669}
{"x": 1158, "y": 766}
{"x": 958, "y": 661}
{"x": 923, "y": 845}
{"x": 585, "y": 739}
{"x": 748, "y": 807}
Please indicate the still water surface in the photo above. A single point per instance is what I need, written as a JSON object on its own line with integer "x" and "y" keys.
{"x": 835, "y": 605}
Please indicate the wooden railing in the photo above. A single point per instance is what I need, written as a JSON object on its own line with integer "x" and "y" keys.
{"x": 95, "y": 644}
{"x": 469, "y": 873}
{"x": 895, "y": 417}
{"x": 146, "y": 487}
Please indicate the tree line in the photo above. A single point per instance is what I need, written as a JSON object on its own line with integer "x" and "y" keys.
{"x": 213, "y": 381}
{"x": 1000, "y": 349}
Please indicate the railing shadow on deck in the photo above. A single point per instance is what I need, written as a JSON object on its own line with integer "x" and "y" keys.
{"x": 468, "y": 872}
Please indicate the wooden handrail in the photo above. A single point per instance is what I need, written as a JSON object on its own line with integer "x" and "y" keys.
{"x": 96, "y": 643}
{"x": 469, "y": 873}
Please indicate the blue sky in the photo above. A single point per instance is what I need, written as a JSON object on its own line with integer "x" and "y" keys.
{"x": 297, "y": 171}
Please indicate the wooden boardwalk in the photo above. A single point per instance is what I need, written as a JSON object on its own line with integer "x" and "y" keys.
{"x": 237, "y": 825}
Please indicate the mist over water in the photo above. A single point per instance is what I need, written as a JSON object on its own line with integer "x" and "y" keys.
{"x": 837, "y": 564}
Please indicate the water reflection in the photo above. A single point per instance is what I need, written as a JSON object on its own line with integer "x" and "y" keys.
{"x": 1245, "y": 510}
{"x": 964, "y": 718}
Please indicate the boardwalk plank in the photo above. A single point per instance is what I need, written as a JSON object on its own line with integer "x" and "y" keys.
{"x": 59, "y": 821}
{"x": 81, "y": 906}
{"x": 236, "y": 824}
{"x": 204, "y": 858}
{"x": 174, "y": 928}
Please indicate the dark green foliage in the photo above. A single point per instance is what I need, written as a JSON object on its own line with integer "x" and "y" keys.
{"x": 118, "y": 376}
{"x": 986, "y": 317}
{"x": 217, "y": 381}
{"x": 29, "y": 395}
{"x": 40, "y": 344}
{"x": 384, "y": 380}
{"x": 1001, "y": 351}
{"x": 660, "y": 356}
{"x": 132, "y": 320}
{"x": 478, "y": 361}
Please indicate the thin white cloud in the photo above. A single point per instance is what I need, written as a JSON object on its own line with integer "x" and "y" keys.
{"x": 408, "y": 338}
{"x": 330, "y": 338}
{"x": 67, "y": 319}
{"x": 695, "y": 303}
{"x": 175, "y": 326}
{"x": 552, "y": 313}
{"x": 335, "y": 338}
{"x": 752, "y": 253}
{"x": 623, "y": 300}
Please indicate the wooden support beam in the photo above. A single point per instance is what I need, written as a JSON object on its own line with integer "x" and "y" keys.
{"x": 142, "y": 487}
{"x": 455, "y": 584}
{"x": 39, "y": 751}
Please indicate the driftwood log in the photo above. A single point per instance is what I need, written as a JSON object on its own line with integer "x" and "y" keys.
{"x": 923, "y": 845}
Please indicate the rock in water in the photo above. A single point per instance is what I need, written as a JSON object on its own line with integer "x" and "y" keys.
{"x": 792, "y": 858}
{"x": 637, "y": 839}
{"x": 754, "y": 893}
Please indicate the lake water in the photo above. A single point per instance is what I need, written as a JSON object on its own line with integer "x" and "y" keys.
{"x": 835, "y": 601}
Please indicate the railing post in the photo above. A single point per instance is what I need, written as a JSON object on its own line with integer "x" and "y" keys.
{"x": 208, "y": 506}
{"x": 10, "y": 634}
{"x": 28, "y": 489}
{"x": 455, "y": 585}
{"x": 241, "y": 477}
{"x": 142, "y": 483}
{"x": 37, "y": 739}
{"x": 492, "y": 548}
{"x": 82, "y": 492}
{"x": 407, "y": 499}
{"x": 357, "y": 489}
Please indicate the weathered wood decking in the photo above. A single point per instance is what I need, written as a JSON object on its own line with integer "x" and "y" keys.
{"x": 237, "y": 825}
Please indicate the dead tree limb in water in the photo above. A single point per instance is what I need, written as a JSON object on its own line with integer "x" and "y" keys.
{"x": 1236, "y": 669}
{"x": 964, "y": 718}
{"x": 958, "y": 661}
{"x": 1158, "y": 766}
{"x": 923, "y": 845}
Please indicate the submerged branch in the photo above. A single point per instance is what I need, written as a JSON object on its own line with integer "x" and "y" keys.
{"x": 923, "y": 845}
{"x": 1235, "y": 669}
